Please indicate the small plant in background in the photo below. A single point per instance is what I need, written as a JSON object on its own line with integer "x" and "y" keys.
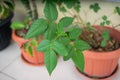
{"x": 32, "y": 14}
{"x": 70, "y": 36}
{"x": 20, "y": 28}
{"x": 6, "y": 6}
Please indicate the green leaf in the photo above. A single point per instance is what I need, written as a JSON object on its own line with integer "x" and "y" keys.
{"x": 108, "y": 22}
{"x": 75, "y": 33}
{"x": 37, "y": 27}
{"x": 43, "y": 46}
{"x": 69, "y": 3}
{"x": 117, "y": 9}
{"x": 65, "y": 22}
{"x": 33, "y": 43}
{"x": 51, "y": 31}
{"x": 95, "y": 7}
{"x": 104, "y": 17}
{"x": 78, "y": 60}
{"x": 17, "y": 25}
{"x": 30, "y": 50}
{"x": 105, "y": 35}
{"x": 103, "y": 43}
{"x": 50, "y": 11}
{"x": 50, "y": 60}
{"x": 71, "y": 52}
{"x": 77, "y": 8}
{"x": 102, "y": 24}
{"x": 81, "y": 45}
{"x": 26, "y": 45}
{"x": 63, "y": 9}
{"x": 64, "y": 40}
{"x": 59, "y": 48}
{"x": 89, "y": 26}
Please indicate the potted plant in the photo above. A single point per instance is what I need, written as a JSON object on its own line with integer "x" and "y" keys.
{"x": 92, "y": 48}
{"x": 6, "y": 14}
{"x": 29, "y": 54}
{"x": 20, "y": 28}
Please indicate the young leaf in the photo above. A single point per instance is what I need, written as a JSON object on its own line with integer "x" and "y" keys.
{"x": 17, "y": 25}
{"x": 81, "y": 45}
{"x": 74, "y": 34}
{"x": 108, "y": 22}
{"x": 89, "y": 26}
{"x": 117, "y": 9}
{"x": 103, "y": 43}
{"x": 106, "y": 37}
{"x": 63, "y": 9}
{"x": 43, "y": 46}
{"x": 77, "y": 7}
{"x": 51, "y": 31}
{"x": 50, "y": 60}
{"x": 104, "y": 17}
{"x": 102, "y": 24}
{"x": 30, "y": 50}
{"x": 78, "y": 60}
{"x": 50, "y": 11}
{"x": 36, "y": 28}
{"x": 69, "y": 3}
{"x": 26, "y": 45}
{"x": 95, "y": 7}
{"x": 33, "y": 43}
{"x": 65, "y": 22}
{"x": 59, "y": 48}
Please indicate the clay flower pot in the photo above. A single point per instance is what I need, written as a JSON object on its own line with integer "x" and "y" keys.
{"x": 35, "y": 60}
{"x": 19, "y": 40}
{"x": 102, "y": 65}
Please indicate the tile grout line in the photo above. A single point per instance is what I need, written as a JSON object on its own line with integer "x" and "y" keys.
{"x": 8, "y": 75}
{"x": 9, "y": 63}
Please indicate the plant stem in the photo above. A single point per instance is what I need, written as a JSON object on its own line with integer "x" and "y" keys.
{"x": 116, "y": 26}
{"x": 35, "y": 12}
{"x": 100, "y": 18}
{"x": 26, "y": 4}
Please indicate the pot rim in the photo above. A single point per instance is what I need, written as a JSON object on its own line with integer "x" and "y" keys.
{"x": 102, "y": 55}
{"x": 4, "y": 21}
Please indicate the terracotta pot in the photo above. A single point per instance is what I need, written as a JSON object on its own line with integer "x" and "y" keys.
{"x": 102, "y": 64}
{"x": 19, "y": 40}
{"x": 36, "y": 59}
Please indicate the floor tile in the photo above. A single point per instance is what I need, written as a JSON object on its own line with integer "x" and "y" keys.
{"x": 21, "y": 71}
{"x": 8, "y": 55}
{"x": 5, "y": 77}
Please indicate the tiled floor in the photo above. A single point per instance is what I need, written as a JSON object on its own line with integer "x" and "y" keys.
{"x": 12, "y": 68}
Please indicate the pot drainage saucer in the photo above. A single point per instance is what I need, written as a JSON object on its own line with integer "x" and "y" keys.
{"x": 84, "y": 76}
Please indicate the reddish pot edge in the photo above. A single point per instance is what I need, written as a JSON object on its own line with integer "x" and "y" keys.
{"x": 19, "y": 40}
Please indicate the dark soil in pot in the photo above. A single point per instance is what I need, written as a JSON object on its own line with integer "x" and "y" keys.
{"x": 94, "y": 39}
